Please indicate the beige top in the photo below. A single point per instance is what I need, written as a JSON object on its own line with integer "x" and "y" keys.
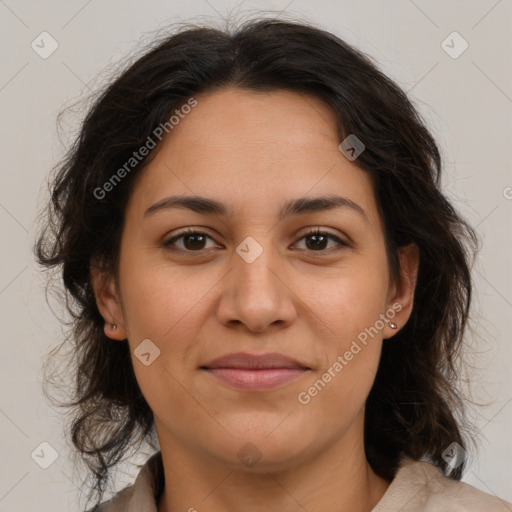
{"x": 417, "y": 486}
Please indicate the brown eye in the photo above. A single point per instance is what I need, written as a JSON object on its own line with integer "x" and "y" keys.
{"x": 192, "y": 241}
{"x": 317, "y": 241}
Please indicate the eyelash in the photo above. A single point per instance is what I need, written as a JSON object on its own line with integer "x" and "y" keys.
{"x": 314, "y": 232}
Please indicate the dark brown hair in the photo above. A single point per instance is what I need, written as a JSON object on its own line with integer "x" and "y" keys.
{"x": 414, "y": 408}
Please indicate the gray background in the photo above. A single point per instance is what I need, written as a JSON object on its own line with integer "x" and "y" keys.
{"x": 466, "y": 101}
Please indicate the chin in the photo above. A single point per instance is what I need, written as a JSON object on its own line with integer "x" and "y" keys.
{"x": 267, "y": 447}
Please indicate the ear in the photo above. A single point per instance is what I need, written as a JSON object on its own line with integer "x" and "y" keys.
{"x": 107, "y": 300}
{"x": 401, "y": 299}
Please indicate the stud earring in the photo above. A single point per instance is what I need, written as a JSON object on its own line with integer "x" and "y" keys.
{"x": 114, "y": 327}
{"x": 393, "y": 325}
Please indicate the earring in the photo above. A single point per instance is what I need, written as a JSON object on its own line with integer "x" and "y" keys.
{"x": 393, "y": 325}
{"x": 114, "y": 327}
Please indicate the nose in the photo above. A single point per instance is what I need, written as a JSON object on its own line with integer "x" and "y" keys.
{"x": 257, "y": 294}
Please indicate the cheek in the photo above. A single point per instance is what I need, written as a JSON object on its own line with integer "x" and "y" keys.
{"x": 346, "y": 301}
{"x": 347, "y": 308}
{"x": 161, "y": 299}
{"x": 162, "y": 306}
{"x": 350, "y": 309}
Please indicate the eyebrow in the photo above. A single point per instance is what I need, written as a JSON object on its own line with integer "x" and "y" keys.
{"x": 299, "y": 206}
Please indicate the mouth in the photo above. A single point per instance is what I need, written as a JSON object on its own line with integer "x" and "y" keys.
{"x": 255, "y": 373}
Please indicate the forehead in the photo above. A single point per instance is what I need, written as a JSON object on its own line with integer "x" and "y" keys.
{"x": 253, "y": 149}
{"x": 278, "y": 118}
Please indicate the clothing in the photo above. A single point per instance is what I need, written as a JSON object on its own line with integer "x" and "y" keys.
{"x": 417, "y": 486}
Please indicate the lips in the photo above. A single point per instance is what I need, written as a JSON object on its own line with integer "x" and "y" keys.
{"x": 254, "y": 362}
{"x": 251, "y": 372}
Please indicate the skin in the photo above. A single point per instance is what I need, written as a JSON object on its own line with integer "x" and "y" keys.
{"x": 254, "y": 151}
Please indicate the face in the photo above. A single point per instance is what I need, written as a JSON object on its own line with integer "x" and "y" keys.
{"x": 255, "y": 280}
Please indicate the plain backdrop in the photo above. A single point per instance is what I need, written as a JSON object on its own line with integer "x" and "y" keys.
{"x": 466, "y": 99}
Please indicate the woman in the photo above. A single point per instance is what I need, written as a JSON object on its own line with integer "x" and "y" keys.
{"x": 268, "y": 283}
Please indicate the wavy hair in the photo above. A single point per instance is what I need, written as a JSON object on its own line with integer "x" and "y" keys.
{"x": 414, "y": 408}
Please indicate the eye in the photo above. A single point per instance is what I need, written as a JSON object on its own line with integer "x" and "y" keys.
{"x": 319, "y": 239}
{"x": 194, "y": 241}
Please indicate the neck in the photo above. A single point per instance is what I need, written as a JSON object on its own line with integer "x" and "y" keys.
{"x": 338, "y": 479}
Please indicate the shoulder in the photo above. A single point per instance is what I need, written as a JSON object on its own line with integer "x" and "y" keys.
{"x": 117, "y": 503}
{"x": 141, "y": 496}
{"x": 420, "y": 486}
